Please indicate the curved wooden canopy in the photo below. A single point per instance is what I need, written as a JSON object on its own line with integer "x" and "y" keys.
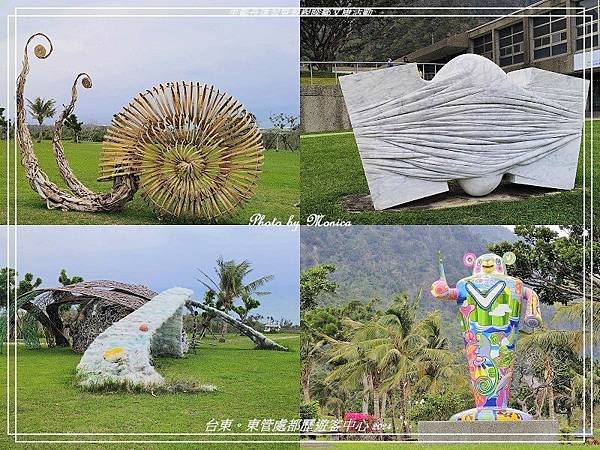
{"x": 129, "y": 296}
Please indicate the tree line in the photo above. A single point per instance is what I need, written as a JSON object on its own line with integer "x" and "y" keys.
{"x": 284, "y": 133}
{"x": 228, "y": 290}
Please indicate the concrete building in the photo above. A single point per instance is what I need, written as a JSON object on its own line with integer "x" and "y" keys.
{"x": 547, "y": 41}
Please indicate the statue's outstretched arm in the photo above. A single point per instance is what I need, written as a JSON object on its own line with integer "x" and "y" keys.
{"x": 440, "y": 288}
{"x": 533, "y": 318}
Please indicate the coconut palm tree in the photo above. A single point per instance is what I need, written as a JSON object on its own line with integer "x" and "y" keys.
{"x": 410, "y": 366}
{"x": 574, "y": 312}
{"x": 310, "y": 353}
{"x": 230, "y": 284}
{"x": 41, "y": 108}
{"x": 353, "y": 369}
{"x": 393, "y": 357}
{"x": 546, "y": 345}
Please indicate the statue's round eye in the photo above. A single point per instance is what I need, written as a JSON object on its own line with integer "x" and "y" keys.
{"x": 498, "y": 261}
{"x": 478, "y": 263}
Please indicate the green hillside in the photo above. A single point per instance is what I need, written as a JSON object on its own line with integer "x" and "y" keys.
{"x": 380, "y": 261}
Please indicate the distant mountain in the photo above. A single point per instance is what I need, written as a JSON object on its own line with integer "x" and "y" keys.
{"x": 493, "y": 234}
{"x": 381, "y": 261}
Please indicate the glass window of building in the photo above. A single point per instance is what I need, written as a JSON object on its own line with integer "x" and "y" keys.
{"x": 550, "y": 34}
{"x": 586, "y": 34}
{"x": 483, "y": 46}
{"x": 511, "y": 44}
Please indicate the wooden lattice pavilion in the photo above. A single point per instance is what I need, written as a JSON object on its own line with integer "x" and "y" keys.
{"x": 99, "y": 303}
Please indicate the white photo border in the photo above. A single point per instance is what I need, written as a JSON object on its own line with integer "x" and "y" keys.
{"x": 275, "y": 12}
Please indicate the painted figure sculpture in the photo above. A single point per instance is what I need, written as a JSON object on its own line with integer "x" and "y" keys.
{"x": 472, "y": 123}
{"x": 490, "y": 304}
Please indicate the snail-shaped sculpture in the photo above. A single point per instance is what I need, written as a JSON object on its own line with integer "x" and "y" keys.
{"x": 193, "y": 151}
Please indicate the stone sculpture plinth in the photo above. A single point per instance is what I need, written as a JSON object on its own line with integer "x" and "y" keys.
{"x": 472, "y": 123}
{"x": 511, "y": 431}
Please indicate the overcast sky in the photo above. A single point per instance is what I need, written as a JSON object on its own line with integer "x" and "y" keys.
{"x": 162, "y": 257}
{"x": 552, "y": 227}
{"x": 254, "y": 59}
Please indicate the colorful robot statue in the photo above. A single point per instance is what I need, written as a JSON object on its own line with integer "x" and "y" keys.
{"x": 490, "y": 304}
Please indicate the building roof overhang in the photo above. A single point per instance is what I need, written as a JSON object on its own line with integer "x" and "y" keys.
{"x": 452, "y": 45}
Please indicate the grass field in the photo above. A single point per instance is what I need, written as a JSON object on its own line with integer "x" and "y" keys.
{"x": 277, "y": 194}
{"x": 331, "y": 169}
{"x": 318, "y": 79}
{"x": 250, "y": 384}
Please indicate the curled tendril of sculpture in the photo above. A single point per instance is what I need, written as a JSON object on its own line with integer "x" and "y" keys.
{"x": 39, "y": 50}
{"x": 80, "y": 198}
{"x": 192, "y": 150}
{"x": 66, "y": 173}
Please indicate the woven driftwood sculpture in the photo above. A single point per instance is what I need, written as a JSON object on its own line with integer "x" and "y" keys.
{"x": 80, "y": 198}
{"x": 192, "y": 150}
{"x": 101, "y": 302}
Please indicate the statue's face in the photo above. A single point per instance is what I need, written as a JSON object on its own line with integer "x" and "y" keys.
{"x": 489, "y": 264}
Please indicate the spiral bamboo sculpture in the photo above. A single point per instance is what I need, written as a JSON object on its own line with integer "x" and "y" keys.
{"x": 193, "y": 151}
{"x": 196, "y": 150}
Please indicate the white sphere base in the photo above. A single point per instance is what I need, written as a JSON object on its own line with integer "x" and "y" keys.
{"x": 481, "y": 185}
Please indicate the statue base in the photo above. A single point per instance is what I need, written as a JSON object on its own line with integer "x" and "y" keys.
{"x": 489, "y": 431}
{"x": 490, "y": 414}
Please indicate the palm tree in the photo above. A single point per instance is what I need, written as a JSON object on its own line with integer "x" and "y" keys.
{"x": 574, "y": 312}
{"x": 310, "y": 353}
{"x": 393, "y": 357}
{"x": 352, "y": 368}
{"x": 41, "y": 108}
{"x": 547, "y": 344}
{"x": 75, "y": 126}
{"x": 230, "y": 285}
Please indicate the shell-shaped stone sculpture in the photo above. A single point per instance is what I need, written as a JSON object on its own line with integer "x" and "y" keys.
{"x": 196, "y": 150}
{"x": 472, "y": 123}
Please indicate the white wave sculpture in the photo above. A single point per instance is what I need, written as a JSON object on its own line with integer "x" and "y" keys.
{"x": 122, "y": 354}
{"x": 472, "y": 123}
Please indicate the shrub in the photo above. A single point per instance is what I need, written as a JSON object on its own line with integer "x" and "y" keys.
{"x": 440, "y": 406}
{"x": 310, "y": 410}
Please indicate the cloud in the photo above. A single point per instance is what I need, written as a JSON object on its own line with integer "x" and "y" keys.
{"x": 162, "y": 257}
{"x": 254, "y": 59}
{"x": 500, "y": 310}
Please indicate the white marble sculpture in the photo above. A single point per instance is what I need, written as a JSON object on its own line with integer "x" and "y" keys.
{"x": 122, "y": 354}
{"x": 472, "y": 123}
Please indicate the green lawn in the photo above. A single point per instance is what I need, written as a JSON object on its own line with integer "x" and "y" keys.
{"x": 277, "y": 194}
{"x": 331, "y": 169}
{"x": 250, "y": 384}
{"x": 318, "y": 79}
